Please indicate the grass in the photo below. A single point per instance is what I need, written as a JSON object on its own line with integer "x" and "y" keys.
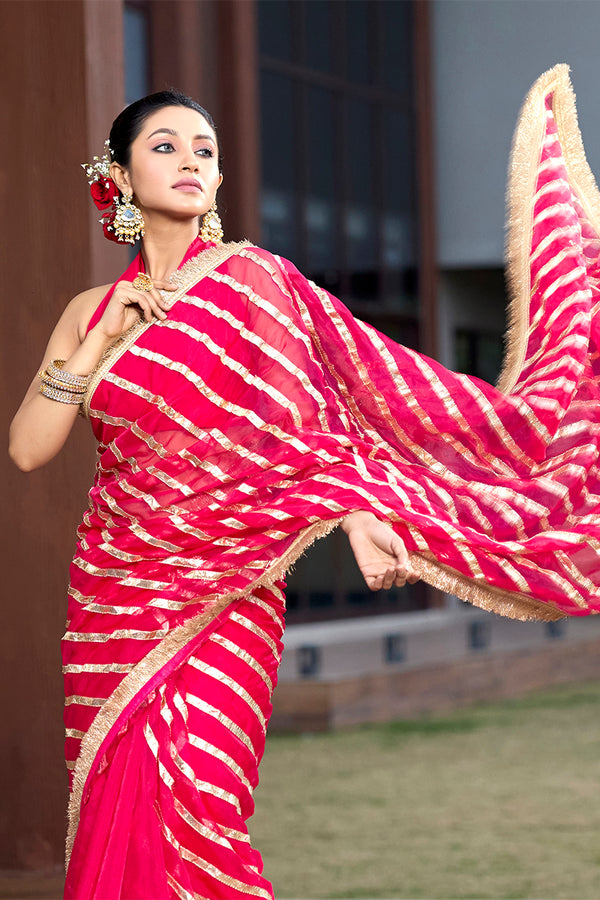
{"x": 498, "y": 802}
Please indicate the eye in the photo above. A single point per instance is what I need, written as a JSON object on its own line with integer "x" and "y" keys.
{"x": 165, "y": 147}
{"x": 207, "y": 152}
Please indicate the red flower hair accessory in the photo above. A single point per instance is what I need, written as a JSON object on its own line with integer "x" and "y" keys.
{"x": 104, "y": 191}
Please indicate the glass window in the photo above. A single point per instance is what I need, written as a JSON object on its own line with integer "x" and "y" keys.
{"x": 399, "y": 196}
{"x": 397, "y": 46}
{"x": 357, "y": 41}
{"x": 275, "y": 28}
{"x": 338, "y": 145}
{"x": 318, "y": 33}
{"x": 320, "y": 200}
{"x": 479, "y": 353}
{"x": 360, "y": 224}
{"x": 278, "y": 200}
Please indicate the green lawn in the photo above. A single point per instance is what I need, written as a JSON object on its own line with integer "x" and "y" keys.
{"x": 498, "y": 801}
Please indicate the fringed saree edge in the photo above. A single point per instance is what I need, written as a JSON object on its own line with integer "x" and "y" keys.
{"x": 175, "y": 642}
{"x": 485, "y": 596}
{"x": 522, "y": 173}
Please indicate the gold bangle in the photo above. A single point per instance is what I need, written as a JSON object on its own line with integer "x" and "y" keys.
{"x": 62, "y": 396}
{"x": 55, "y": 371}
{"x": 61, "y": 385}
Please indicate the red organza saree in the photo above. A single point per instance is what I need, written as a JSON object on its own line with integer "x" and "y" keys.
{"x": 243, "y": 427}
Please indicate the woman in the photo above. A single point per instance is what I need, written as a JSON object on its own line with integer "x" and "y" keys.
{"x": 241, "y": 413}
{"x": 165, "y": 152}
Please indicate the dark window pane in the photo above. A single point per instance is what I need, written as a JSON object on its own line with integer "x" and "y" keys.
{"x": 275, "y": 28}
{"x": 360, "y": 223}
{"x": 320, "y": 598}
{"x": 397, "y": 46}
{"x": 478, "y": 353}
{"x": 320, "y": 200}
{"x": 400, "y": 291}
{"x": 321, "y": 113}
{"x": 135, "y": 46}
{"x": 399, "y": 178}
{"x": 318, "y": 21}
{"x": 278, "y": 200}
{"x": 357, "y": 41}
{"x": 399, "y": 160}
{"x": 359, "y": 139}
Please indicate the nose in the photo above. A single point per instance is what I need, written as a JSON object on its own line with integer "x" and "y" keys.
{"x": 189, "y": 162}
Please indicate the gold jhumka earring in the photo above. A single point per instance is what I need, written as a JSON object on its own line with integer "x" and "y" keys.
{"x": 211, "y": 229}
{"x": 129, "y": 222}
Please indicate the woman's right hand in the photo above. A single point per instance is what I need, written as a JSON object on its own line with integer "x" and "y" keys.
{"x": 128, "y": 304}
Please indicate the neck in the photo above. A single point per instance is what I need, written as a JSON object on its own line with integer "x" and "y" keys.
{"x": 164, "y": 246}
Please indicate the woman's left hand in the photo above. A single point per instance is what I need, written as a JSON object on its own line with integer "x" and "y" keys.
{"x": 381, "y": 555}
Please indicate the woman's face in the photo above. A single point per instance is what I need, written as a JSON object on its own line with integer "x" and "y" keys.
{"x": 174, "y": 164}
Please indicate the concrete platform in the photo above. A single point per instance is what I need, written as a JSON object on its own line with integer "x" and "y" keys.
{"x": 339, "y": 674}
{"x": 350, "y": 648}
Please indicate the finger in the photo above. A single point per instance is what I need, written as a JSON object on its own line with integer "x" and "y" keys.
{"x": 148, "y": 301}
{"x": 400, "y": 575}
{"x": 128, "y": 296}
{"x": 156, "y": 285}
{"x": 374, "y": 582}
{"x": 159, "y": 303}
{"x": 162, "y": 301}
{"x": 148, "y": 308}
{"x": 389, "y": 578}
{"x": 398, "y": 549}
{"x": 412, "y": 577}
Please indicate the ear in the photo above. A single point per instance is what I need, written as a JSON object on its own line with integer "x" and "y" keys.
{"x": 220, "y": 181}
{"x": 120, "y": 176}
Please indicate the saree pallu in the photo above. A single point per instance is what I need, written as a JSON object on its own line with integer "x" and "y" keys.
{"x": 248, "y": 424}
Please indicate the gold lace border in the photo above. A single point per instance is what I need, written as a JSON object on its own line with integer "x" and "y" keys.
{"x": 193, "y": 271}
{"x": 139, "y": 678}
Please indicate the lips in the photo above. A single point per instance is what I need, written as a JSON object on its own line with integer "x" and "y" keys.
{"x": 187, "y": 184}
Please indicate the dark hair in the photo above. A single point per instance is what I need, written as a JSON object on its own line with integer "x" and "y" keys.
{"x": 130, "y": 121}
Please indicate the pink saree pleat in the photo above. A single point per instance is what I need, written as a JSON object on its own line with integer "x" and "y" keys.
{"x": 165, "y": 815}
{"x": 248, "y": 424}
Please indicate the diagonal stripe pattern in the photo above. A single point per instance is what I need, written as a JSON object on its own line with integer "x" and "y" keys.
{"x": 248, "y": 424}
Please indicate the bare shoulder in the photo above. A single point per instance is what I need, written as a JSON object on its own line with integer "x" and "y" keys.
{"x": 81, "y": 308}
{"x": 70, "y": 330}
{"x": 89, "y": 300}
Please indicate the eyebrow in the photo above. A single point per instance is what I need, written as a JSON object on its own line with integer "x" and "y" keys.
{"x": 197, "y": 137}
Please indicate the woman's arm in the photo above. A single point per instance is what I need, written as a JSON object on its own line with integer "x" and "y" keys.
{"x": 380, "y": 553}
{"x": 41, "y": 425}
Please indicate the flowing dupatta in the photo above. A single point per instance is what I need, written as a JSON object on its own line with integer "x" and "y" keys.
{"x": 260, "y": 412}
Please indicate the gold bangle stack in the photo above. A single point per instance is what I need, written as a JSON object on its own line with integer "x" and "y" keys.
{"x": 65, "y": 387}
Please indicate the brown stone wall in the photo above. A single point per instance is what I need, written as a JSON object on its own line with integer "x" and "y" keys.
{"x": 61, "y": 72}
{"x": 61, "y": 69}
{"x": 322, "y": 706}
